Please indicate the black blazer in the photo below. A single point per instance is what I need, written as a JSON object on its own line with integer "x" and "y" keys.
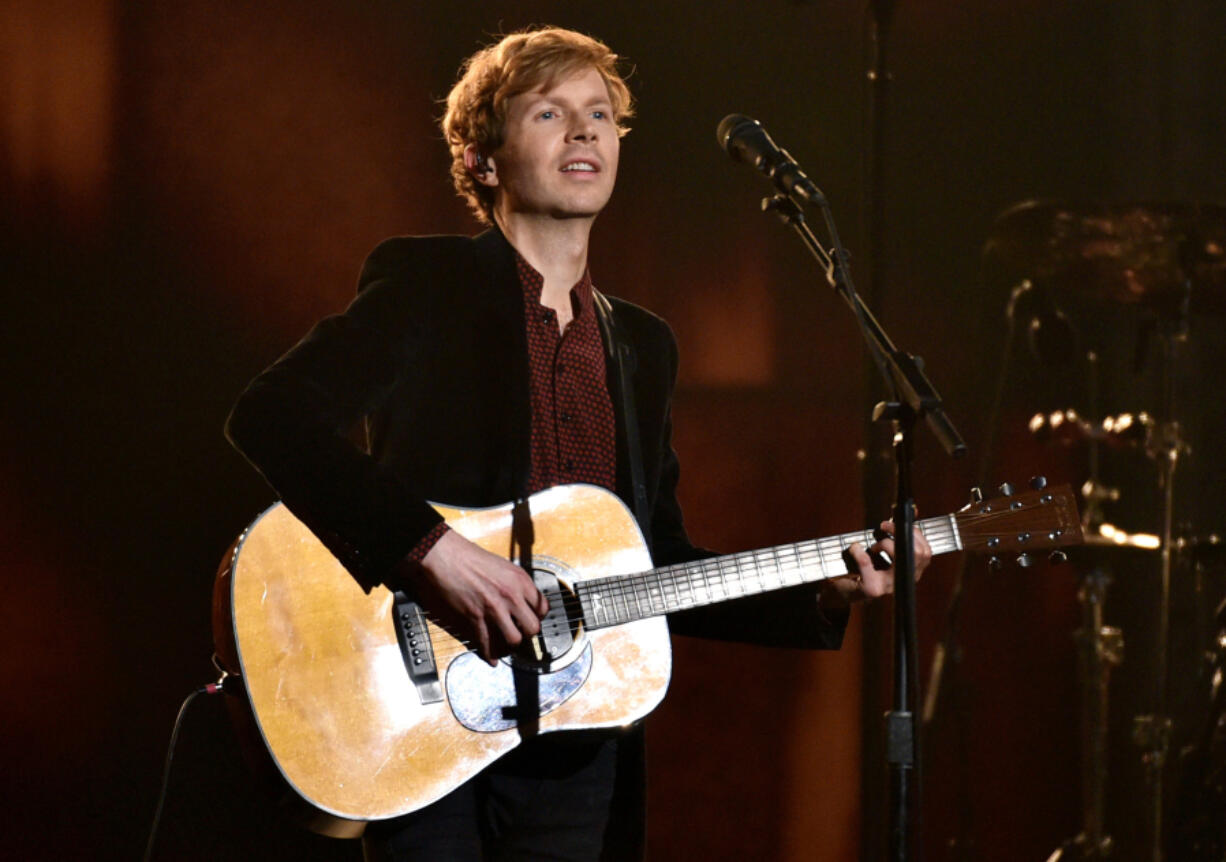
{"x": 432, "y": 354}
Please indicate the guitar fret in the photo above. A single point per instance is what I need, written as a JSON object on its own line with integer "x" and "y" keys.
{"x": 793, "y": 564}
{"x": 679, "y": 600}
{"x": 804, "y": 566}
{"x": 667, "y": 580}
{"x": 591, "y": 605}
{"x": 731, "y": 572}
{"x": 624, "y": 615}
{"x": 757, "y": 585}
{"x": 822, "y": 564}
{"x": 736, "y": 587}
{"x": 698, "y": 586}
{"x": 759, "y": 567}
{"x": 799, "y": 564}
{"x": 710, "y": 579}
{"x": 648, "y": 604}
{"x": 817, "y": 565}
{"x": 830, "y": 552}
{"x": 793, "y": 574}
{"x": 721, "y": 575}
{"x": 652, "y": 584}
{"x": 750, "y": 560}
{"x": 730, "y": 576}
{"x": 747, "y": 575}
{"x": 710, "y": 575}
{"x": 633, "y": 598}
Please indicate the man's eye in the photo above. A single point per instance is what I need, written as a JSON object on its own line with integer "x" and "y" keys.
{"x": 600, "y": 115}
{"x": 547, "y": 115}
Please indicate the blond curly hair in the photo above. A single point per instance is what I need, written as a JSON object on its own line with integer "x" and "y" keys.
{"x": 518, "y": 63}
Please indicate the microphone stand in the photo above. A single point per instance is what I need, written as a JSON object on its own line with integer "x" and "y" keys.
{"x": 874, "y": 477}
{"x": 913, "y": 397}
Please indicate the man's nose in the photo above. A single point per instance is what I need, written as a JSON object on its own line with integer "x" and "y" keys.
{"x": 582, "y": 129}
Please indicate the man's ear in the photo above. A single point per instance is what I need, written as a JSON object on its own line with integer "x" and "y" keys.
{"x": 481, "y": 167}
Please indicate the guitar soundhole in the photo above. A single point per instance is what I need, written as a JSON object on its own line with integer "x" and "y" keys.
{"x": 559, "y": 628}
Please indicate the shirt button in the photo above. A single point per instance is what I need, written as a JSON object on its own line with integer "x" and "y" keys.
{"x": 565, "y": 417}
{"x": 561, "y": 367}
{"x": 569, "y": 465}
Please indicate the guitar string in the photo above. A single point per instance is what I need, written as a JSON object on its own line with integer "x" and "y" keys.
{"x": 569, "y": 602}
{"x": 941, "y": 532}
{"x": 809, "y": 556}
{"x": 682, "y": 578}
{"x": 634, "y": 590}
{"x": 827, "y": 553}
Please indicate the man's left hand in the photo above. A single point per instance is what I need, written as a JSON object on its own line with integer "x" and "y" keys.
{"x": 869, "y": 581}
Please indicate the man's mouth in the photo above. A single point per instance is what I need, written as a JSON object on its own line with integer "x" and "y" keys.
{"x": 580, "y": 166}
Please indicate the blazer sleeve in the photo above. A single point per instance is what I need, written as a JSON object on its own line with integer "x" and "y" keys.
{"x": 292, "y": 421}
{"x": 787, "y": 618}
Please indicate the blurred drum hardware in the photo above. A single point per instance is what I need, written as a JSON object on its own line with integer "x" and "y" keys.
{"x": 1166, "y": 263}
{"x": 1170, "y": 258}
{"x": 1199, "y": 834}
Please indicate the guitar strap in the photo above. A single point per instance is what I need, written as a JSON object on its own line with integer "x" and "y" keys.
{"x": 621, "y": 354}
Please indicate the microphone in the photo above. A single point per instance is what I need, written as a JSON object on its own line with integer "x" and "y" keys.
{"x": 746, "y": 141}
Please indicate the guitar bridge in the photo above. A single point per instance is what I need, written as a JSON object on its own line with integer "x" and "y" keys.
{"x": 415, "y": 647}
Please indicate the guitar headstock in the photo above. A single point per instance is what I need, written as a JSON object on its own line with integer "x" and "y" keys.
{"x": 1023, "y": 523}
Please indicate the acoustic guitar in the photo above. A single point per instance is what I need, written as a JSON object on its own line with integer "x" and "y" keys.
{"x": 370, "y": 709}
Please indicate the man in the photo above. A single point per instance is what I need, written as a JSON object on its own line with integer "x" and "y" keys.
{"x": 487, "y": 369}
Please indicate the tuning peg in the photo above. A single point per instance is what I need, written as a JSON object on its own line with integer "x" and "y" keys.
{"x": 995, "y": 564}
{"x": 976, "y": 495}
{"x": 1057, "y": 556}
{"x": 1038, "y": 482}
{"x": 1006, "y": 490}
{"x": 1025, "y": 560}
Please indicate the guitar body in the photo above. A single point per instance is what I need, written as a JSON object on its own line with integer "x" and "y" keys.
{"x": 328, "y": 681}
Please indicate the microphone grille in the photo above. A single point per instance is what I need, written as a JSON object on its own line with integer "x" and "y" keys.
{"x": 728, "y": 126}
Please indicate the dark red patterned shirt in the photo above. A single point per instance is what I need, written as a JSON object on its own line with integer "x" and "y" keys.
{"x": 573, "y": 436}
{"x": 572, "y": 415}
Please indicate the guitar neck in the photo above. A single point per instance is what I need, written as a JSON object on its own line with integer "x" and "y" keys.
{"x": 624, "y": 598}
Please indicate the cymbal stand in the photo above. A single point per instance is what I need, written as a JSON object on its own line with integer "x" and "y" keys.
{"x": 1153, "y": 732}
{"x": 1100, "y": 648}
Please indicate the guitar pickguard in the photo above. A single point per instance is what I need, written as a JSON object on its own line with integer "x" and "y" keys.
{"x": 485, "y": 699}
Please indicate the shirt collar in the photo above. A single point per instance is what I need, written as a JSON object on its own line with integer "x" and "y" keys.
{"x": 533, "y": 283}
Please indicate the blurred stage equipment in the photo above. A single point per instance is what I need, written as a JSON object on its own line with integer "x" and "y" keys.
{"x": 1168, "y": 257}
{"x": 1199, "y": 834}
{"x": 1168, "y": 260}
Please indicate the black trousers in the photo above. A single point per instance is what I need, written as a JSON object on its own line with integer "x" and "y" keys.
{"x": 549, "y": 799}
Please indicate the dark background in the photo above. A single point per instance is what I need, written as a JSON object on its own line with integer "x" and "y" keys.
{"x": 185, "y": 187}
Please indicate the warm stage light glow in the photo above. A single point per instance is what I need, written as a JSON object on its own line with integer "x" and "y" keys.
{"x": 57, "y": 76}
{"x": 1145, "y": 541}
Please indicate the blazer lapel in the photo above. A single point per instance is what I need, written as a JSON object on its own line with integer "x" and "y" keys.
{"x": 496, "y": 265}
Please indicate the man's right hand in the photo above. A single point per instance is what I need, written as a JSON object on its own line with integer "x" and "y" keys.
{"x": 494, "y": 602}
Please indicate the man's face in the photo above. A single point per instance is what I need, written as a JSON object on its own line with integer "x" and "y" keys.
{"x": 559, "y": 151}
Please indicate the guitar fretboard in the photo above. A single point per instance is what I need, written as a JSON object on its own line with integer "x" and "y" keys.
{"x": 624, "y": 598}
